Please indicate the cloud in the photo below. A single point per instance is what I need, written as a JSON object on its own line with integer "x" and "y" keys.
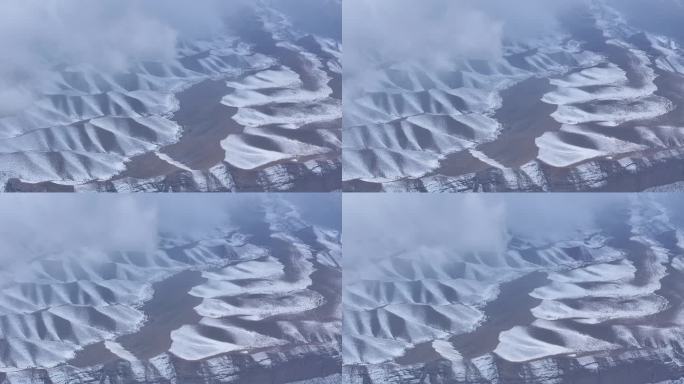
{"x": 324, "y": 210}
{"x": 433, "y": 31}
{"x": 527, "y": 18}
{"x": 35, "y": 225}
{"x": 379, "y": 226}
{"x": 48, "y": 225}
{"x": 320, "y": 17}
{"x": 556, "y": 217}
{"x": 39, "y": 224}
{"x": 659, "y": 16}
{"x": 38, "y": 35}
{"x": 192, "y": 215}
{"x": 436, "y": 33}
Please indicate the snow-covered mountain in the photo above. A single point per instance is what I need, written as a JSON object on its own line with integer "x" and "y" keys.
{"x": 594, "y": 106}
{"x": 255, "y": 107}
{"x": 250, "y": 301}
{"x": 603, "y": 304}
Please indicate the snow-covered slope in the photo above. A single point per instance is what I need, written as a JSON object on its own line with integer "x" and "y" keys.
{"x": 597, "y": 105}
{"x": 247, "y": 102}
{"x": 224, "y": 301}
{"x": 596, "y": 304}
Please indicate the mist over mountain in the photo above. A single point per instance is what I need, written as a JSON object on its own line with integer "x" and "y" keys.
{"x": 471, "y": 223}
{"x": 534, "y": 96}
{"x": 142, "y": 288}
{"x": 109, "y": 35}
{"x": 131, "y": 95}
{"x": 579, "y": 287}
{"x": 435, "y": 33}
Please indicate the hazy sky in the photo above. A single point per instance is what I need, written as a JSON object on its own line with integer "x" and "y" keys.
{"x": 36, "y": 35}
{"x": 436, "y": 32}
{"x": 36, "y": 224}
{"x": 31, "y": 225}
{"x": 659, "y": 16}
{"x": 381, "y": 225}
{"x": 321, "y": 17}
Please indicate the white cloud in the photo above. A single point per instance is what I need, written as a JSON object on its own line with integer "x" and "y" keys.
{"x": 435, "y": 33}
{"x": 36, "y": 224}
{"x": 380, "y": 225}
{"x": 37, "y": 35}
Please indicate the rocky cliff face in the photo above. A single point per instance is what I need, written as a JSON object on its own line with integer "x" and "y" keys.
{"x": 629, "y": 366}
{"x": 306, "y": 364}
{"x": 661, "y": 170}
